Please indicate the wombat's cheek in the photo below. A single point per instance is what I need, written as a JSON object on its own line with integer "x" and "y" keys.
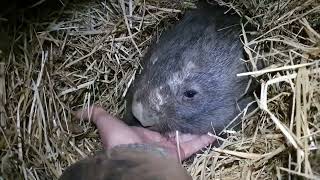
{"x": 144, "y": 114}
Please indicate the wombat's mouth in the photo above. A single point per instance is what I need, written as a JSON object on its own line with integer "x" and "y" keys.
{"x": 169, "y": 133}
{"x": 152, "y": 128}
{"x": 176, "y": 137}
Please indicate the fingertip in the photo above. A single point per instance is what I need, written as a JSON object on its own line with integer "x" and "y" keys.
{"x": 197, "y": 144}
{"x": 207, "y": 139}
{"x": 84, "y": 113}
{"x": 88, "y": 113}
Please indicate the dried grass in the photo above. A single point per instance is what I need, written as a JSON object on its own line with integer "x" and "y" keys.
{"x": 89, "y": 53}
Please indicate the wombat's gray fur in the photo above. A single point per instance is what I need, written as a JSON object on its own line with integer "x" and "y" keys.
{"x": 189, "y": 80}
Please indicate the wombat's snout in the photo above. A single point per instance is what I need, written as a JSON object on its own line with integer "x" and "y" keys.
{"x": 143, "y": 115}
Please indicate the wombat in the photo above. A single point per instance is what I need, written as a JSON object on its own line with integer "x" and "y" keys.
{"x": 188, "y": 82}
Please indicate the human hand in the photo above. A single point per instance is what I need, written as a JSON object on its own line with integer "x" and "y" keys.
{"x": 114, "y": 132}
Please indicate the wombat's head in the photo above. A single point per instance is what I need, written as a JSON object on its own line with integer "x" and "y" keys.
{"x": 189, "y": 80}
{"x": 187, "y": 95}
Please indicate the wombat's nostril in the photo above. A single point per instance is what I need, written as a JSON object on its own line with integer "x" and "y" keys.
{"x": 142, "y": 114}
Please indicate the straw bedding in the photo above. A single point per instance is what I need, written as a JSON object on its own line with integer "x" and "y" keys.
{"x": 89, "y": 51}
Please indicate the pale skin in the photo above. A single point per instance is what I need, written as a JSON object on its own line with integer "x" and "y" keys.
{"x": 114, "y": 132}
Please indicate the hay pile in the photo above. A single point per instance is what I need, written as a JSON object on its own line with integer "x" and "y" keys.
{"x": 89, "y": 52}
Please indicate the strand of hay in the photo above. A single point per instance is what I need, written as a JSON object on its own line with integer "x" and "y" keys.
{"x": 89, "y": 53}
{"x": 2, "y": 92}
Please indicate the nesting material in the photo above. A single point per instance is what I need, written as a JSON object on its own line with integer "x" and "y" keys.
{"x": 89, "y": 53}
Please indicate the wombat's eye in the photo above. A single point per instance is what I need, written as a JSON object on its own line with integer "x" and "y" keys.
{"x": 190, "y": 93}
